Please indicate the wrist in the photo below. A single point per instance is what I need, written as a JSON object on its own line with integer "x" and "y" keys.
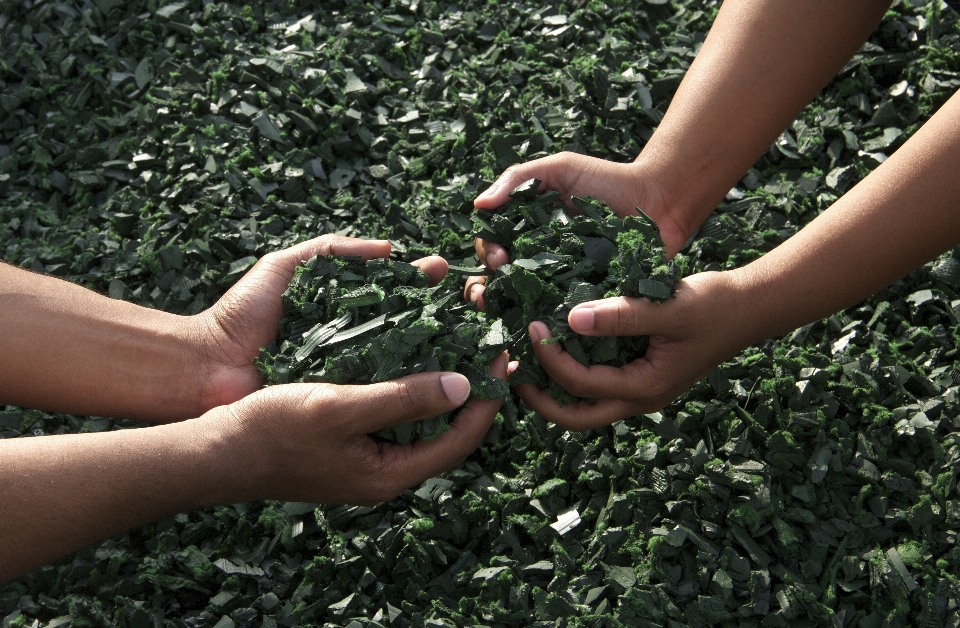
{"x": 232, "y": 467}
{"x": 170, "y": 375}
{"x": 223, "y": 368}
{"x": 685, "y": 187}
{"x": 763, "y": 311}
{"x": 729, "y": 309}
{"x": 249, "y": 442}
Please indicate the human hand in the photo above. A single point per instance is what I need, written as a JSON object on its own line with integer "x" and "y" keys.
{"x": 623, "y": 187}
{"x": 231, "y": 333}
{"x": 311, "y": 443}
{"x": 704, "y": 324}
{"x": 299, "y": 442}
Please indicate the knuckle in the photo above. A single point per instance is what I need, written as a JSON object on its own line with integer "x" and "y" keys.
{"x": 382, "y": 488}
{"x": 329, "y": 239}
{"x": 325, "y": 244}
{"x": 377, "y": 492}
{"x": 514, "y": 170}
{"x": 319, "y": 397}
{"x": 577, "y": 387}
{"x": 624, "y": 317}
{"x": 410, "y": 397}
{"x": 270, "y": 258}
{"x": 386, "y": 493}
{"x": 571, "y": 383}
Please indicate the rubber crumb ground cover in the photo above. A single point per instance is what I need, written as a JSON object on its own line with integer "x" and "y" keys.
{"x": 153, "y": 151}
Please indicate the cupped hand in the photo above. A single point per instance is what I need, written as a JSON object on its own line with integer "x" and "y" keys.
{"x": 704, "y": 324}
{"x": 231, "y": 332}
{"x": 311, "y": 443}
{"x": 623, "y": 187}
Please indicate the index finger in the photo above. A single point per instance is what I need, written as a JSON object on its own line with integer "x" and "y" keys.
{"x": 433, "y": 266}
{"x": 597, "y": 381}
{"x": 497, "y": 194}
{"x": 330, "y": 244}
{"x": 491, "y": 254}
{"x": 579, "y": 415}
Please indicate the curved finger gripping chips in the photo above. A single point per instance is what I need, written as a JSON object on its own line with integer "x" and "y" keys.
{"x": 559, "y": 259}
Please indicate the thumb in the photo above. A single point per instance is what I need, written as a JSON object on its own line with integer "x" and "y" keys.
{"x": 618, "y": 316}
{"x": 408, "y": 399}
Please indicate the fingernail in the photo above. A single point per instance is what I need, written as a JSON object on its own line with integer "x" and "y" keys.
{"x": 538, "y": 331}
{"x": 581, "y": 319}
{"x": 456, "y": 387}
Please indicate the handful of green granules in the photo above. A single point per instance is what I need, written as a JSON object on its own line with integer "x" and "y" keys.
{"x": 349, "y": 322}
{"x": 558, "y": 261}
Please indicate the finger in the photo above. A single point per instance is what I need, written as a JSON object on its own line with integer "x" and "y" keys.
{"x": 618, "y": 316}
{"x": 577, "y": 416}
{"x": 499, "y": 193}
{"x": 570, "y": 174}
{"x": 273, "y": 272}
{"x": 406, "y": 399}
{"x": 331, "y": 244}
{"x": 425, "y": 459}
{"x": 491, "y": 254}
{"x": 473, "y": 290}
{"x": 434, "y": 267}
{"x": 598, "y": 381}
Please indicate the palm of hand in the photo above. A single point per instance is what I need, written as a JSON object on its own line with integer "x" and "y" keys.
{"x": 237, "y": 326}
{"x": 623, "y": 187}
{"x": 246, "y": 318}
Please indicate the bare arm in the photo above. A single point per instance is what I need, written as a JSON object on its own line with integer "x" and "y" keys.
{"x": 301, "y": 442}
{"x": 68, "y": 349}
{"x": 761, "y": 63}
{"x": 902, "y": 215}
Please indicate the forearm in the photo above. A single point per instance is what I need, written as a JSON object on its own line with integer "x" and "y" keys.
{"x": 300, "y": 442}
{"x": 761, "y": 63}
{"x": 68, "y": 349}
{"x": 61, "y": 493}
{"x": 903, "y": 214}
